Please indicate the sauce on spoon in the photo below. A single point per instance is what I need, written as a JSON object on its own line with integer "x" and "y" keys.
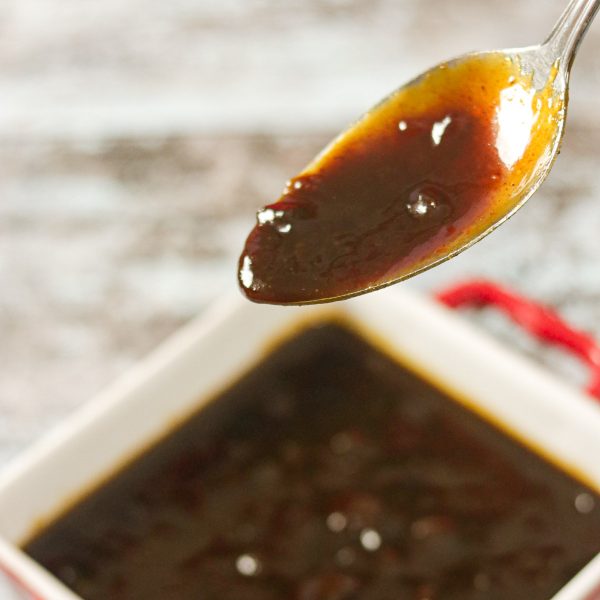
{"x": 427, "y": 172}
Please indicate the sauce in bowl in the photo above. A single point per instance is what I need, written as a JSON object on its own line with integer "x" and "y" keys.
{"x": 329, "y": 472}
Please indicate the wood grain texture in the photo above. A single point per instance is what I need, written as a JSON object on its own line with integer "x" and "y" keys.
{"x": 138, "y": 138}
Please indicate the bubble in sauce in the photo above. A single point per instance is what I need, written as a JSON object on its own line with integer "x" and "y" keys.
{"x": 585, "y": 504}
{"x": 427, "y": 202}
{"x": 421, "y": 206}
{"x": 248, "y": 565}
{"x": 370, "y": 540}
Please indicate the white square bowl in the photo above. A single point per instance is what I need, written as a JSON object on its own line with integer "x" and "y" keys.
{"x": 202, "y": 359}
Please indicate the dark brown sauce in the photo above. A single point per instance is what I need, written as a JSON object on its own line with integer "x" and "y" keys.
{"x": 430, "y": 169}
{"x": 328, "y": 473}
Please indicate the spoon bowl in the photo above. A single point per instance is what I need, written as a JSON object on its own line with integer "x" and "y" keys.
{"x": 431, "y": 170}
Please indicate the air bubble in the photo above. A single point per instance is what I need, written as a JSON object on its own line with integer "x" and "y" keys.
{"x": 428, "y": 202}
{"x": 247, "y": 565}
{"x": 585, "y": 504}
{"x": 482, "y": 582}
{"x": 337, "y": 522}
{"x": 370, "y": 540}
{"x": 421, "y": 206}
{"x": 341, "y": 443}
{"x": 345, "y": 557}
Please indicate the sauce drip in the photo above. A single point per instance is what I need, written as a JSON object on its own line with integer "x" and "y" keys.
{"x": 433, "y": 167}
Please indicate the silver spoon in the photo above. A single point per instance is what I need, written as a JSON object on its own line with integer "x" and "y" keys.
{"x": 283, "y": 262}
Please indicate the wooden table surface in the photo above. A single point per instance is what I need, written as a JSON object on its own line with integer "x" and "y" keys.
{"x": 138, "y": 138}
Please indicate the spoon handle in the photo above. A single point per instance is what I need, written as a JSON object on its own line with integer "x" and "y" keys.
{"x": 572, "y": 26}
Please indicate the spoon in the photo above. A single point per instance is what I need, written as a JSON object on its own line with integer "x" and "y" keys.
{"x": 424, "y": 175}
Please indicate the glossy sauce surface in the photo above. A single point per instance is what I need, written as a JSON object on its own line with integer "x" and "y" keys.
{"x": 329, "y": 473}
{"x": 434, "y": 166}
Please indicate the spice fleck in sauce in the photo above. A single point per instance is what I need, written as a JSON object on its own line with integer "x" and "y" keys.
{"x": 329, "y": 473}
{"x": 433, "y": 167}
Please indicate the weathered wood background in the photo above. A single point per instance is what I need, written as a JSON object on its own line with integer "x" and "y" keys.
{"x": 138, "y": 137}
